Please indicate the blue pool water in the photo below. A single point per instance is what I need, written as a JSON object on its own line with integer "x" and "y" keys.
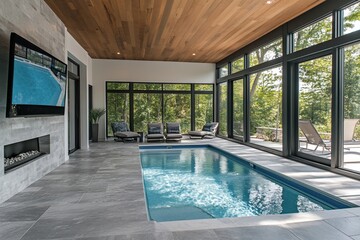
{"x": 204, "y": 182}
{"x": 34, "y": 85}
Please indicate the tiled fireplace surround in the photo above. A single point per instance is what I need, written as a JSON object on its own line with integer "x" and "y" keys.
{"x": 35, "y": 21}
{"x": 20, "y": 153}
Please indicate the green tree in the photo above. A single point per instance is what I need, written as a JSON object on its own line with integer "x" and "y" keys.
{"x": 315, "y": 83}
{"x": 223, "y": 108}
{"x": 238, "y": 113}
{"x": 203, "y": 109}
{"x": 266, "y": 90}
{"x": 265, "y": 103}
{"x": 352, "y": 18}
{"x": 117, "y": 109}
{"x": 316, "y": 33}
{"x": 352, "y": 84}
{"x": 177, "y": 108}
{"x": 147, "y": 109}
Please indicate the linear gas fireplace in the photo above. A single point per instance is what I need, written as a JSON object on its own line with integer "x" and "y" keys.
{"x": 19, "y": 153}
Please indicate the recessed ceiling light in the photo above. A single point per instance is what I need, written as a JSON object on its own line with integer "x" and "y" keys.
{"x": 118, "y": 53}
{"x": 193, "y": 54}
{"x": 269, "y": 2}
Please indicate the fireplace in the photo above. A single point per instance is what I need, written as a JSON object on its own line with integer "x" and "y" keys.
{"x": 22, "y": 152}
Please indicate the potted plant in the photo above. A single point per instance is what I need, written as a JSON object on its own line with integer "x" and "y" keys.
{"x": 95, "y": 115}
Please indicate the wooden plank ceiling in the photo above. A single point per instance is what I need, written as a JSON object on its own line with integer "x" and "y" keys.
{"x": 172, "y": 30}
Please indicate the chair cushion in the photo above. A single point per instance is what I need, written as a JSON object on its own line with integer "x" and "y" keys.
{"x": 199, "y": 133}
{"x": 127, "y": 134}
{"x": 172, "y": 128}
{"x": 207, "y": 127}
{"x": 154, "y": 130}
{"x": 155, "y": 136}
{"x": 173, "y": 136}
{"x": 119, "y": 127}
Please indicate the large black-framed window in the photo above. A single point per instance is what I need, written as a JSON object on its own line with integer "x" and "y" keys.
{"x": 117, "y": 104}
{"x": 351, "y": 111}
{"x": 147, "y": 109}
{"x": 314, "y": 108}
{"x": 265, "y": 98}
{"x": 238, "y": 108}
{"x": 203, "y": 98}
{"x": 317, "y": 56}
{"x": 141, "y": 103}
{"x": 222, "y": 106}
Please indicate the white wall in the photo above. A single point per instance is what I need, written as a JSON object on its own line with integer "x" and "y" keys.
{"x": 79, "y": 55}
{"x": 145, "y": 71}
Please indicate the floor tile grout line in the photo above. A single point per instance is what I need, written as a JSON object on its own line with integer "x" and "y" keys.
{"x": 34, "y": 222}
{"x": 338, "y": 228}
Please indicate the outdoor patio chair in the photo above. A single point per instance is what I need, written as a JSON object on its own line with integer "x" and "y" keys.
{"x": 122, "y": 132}
{"x": 349, "y": 131}
{"x": 155, "y": 132}
{"x": 173, "y": 131}
{"x": 208, "y": 130}
{"x": 312, "y": 136}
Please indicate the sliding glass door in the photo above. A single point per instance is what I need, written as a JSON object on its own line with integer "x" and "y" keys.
{"x": 223, "y": 107}
{"x": 314, "y": 108}
{"x": 351, "y": 96}
{"x": 266, "y": 108}
{"x": 238, "y": 109}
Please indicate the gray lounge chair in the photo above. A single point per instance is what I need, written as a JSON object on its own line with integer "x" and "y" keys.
{"x": 312, "y": 136}
{"x": 122, "y": 132}
{"x": 208, "y": 130}
{"x": 155, "y": 132}
{"x": 173, "y": 131}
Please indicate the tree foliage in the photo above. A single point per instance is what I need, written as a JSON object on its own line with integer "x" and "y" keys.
{"x": 238, "y": 105}
{"x": 147, "y": 109}
{"x": 223, "y": 108}
{"x": 352, "y": 84}
{"x": 177, "y": 108}
{"x": 117, "y": 109}
{"x": 203, "y": 110}
{"x": 315, "y": 78}
{"x": 266, "y": 101}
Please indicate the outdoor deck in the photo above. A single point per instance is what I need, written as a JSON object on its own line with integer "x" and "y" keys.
{"x": 351, "y": 152}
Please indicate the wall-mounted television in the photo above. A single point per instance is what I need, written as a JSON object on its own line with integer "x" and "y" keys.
{"x": 37, "y": 81}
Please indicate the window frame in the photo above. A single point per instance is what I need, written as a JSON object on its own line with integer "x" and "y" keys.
{"x": 132, "y": 92}
{"x": 289, "y": 62}
{"x": 308, "y": 25}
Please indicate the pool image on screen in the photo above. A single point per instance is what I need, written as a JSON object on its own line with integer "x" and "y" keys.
{"x": 38, "y": 79}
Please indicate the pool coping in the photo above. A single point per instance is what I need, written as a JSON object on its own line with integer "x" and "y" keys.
{"x": 264, "y": 220}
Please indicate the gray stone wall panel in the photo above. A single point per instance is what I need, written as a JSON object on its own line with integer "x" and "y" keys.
{"x": 35, "y": 21}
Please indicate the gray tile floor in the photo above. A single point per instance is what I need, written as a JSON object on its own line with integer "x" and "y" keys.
{"x": 98, "y": 194}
